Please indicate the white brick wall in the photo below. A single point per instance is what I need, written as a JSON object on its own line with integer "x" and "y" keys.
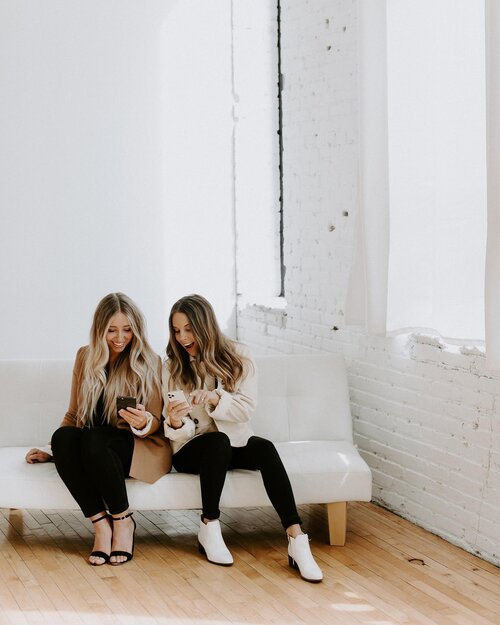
{"x": 426, "y": 416}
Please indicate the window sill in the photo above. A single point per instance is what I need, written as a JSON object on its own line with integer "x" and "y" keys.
{"x": 276, "y": 303}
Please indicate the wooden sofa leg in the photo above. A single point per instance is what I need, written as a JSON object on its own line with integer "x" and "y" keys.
{"x": 337, "y": 522}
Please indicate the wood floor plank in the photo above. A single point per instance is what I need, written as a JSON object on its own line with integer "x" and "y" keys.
{"x": 444, "y": 563}
{"x": 389, "y": 573}
{"x": 443, "y": 570}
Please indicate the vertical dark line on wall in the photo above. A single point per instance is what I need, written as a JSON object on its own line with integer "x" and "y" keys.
{"x": 280, "y": 139}
{"x": 233, "y": 189}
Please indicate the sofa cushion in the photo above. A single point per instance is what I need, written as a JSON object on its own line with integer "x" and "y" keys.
{"x": 320, "y": 472}
{"x": 303, "y": 397}
{"x": 300, "y": 397}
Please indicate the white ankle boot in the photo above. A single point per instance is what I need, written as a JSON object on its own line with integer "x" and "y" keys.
{"x": 300, "y": 557}
{"x": 211, "y": 544}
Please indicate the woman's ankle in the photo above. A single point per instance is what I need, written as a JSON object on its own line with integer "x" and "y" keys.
{"x": 121, "y": 516}
{"x": 294, "y": 530}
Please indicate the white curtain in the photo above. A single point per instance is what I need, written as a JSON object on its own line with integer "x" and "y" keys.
{"x": 367, "y": 294}
{"x": 492, "y": 282}
{"x": 420, "y": 255}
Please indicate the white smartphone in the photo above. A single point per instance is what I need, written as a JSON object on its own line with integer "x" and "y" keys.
{"x": 177, "y": 396}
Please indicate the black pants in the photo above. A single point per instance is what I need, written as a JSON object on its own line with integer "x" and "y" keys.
{"x": 93, "y": 463}
{"x": 211, "y": 455}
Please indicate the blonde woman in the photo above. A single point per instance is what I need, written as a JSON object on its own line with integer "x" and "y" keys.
{"x": 210, "y": 431}
{"x": 97, "y": 446}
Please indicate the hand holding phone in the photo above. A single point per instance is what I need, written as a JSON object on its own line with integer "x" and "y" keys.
{"x": 125, "y": 402}
{"x": 177, "y": 408}
{"x": 177, "y": 396}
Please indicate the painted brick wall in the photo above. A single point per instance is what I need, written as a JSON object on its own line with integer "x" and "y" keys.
{"x": 426, "y": 415}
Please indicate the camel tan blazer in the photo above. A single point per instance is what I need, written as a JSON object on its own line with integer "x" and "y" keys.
{"x": 152, "y": 455}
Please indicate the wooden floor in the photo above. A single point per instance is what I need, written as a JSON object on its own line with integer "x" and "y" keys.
{"x": 389, "y": 572}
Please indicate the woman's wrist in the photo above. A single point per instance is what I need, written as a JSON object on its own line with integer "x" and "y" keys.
{"x": 145, "y": 426}
{"x": 175, "y": 423}
{"x": 214, "y": 398}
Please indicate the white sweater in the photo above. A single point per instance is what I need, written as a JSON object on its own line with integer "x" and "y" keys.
{"x": 231, "y": 415}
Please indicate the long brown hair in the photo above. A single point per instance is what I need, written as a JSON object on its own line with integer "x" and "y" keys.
{"x": 134, "y": 372}
{"x": 216, "y": 351}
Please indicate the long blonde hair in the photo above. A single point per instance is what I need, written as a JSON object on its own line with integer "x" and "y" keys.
{"x": 216, "y": 351}
{"x": 135, "y": 371}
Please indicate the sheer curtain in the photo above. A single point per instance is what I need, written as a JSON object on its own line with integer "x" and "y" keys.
{"x": 492, "y": 284}
{"x": 420, "y": 254}
{"x": 367, "y": 294}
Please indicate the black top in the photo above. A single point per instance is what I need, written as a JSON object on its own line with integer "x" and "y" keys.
{"x": 99, "y": 418}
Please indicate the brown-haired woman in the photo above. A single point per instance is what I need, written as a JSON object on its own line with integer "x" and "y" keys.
{"x": 210, "y": 429}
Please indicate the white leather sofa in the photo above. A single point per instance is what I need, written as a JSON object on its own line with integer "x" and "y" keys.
{"x": 303, "y": 407}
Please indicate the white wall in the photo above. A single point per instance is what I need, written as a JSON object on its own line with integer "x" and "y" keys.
{"x": 116, "y": 168}
{"x": 426, "y": 416}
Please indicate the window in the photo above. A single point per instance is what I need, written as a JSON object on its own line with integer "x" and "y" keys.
{"x": 256, "y": 151}
{"x": 437, "y": 166}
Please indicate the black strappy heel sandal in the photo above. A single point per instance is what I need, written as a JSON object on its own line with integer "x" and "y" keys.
{"x": 100, "y": 554}
{"x": 127, "y": 555}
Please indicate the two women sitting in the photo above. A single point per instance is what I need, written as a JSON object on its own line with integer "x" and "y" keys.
{"x": 209, "y": 387}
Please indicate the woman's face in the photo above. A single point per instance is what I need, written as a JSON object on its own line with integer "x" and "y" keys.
{"x": 119, "y": 334}
{"x": 183, "y": 333}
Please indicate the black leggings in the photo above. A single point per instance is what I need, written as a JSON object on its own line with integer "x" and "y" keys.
{"x": 93, "y": 463}
{"x": 211, "y": 455}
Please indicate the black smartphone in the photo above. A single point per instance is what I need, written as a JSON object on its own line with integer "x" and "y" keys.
{"x": 125, "y": 402}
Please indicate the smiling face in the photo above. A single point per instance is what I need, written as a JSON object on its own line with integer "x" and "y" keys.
{"x": 183, "y": 333}
{"x": 118, "y": 335}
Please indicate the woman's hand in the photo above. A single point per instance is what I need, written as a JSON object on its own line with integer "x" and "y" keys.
{"x": 176, "y": 410}
{"x": 202, "y": 396}
{"x": 37, "y": 455}
{"x": 136, "y": 417}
